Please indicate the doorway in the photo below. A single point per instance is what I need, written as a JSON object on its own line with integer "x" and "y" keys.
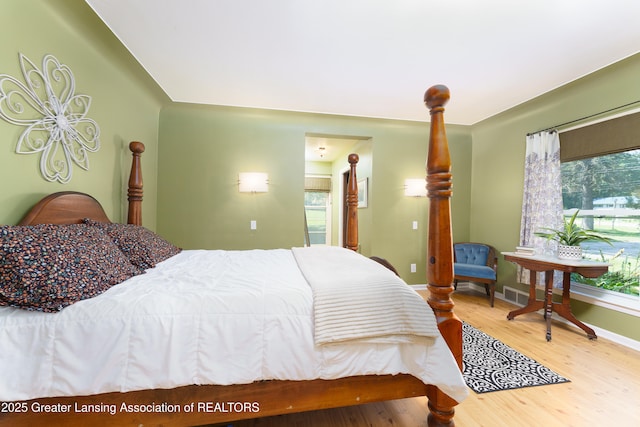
{"x": 326, "y": 157}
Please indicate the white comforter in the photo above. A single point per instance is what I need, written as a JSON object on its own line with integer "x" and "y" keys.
{"x": 200, "y": 317}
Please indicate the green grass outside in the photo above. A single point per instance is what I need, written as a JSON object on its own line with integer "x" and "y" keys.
{"x": 624, "y": 272}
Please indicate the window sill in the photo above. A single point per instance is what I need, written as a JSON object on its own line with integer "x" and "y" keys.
{"x": 623, "y": 303}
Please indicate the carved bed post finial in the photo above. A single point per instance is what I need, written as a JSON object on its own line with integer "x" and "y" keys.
{"x": 440, "y": 247}
{"x": 134, "y": 191}
{"x": 352, "y": 205}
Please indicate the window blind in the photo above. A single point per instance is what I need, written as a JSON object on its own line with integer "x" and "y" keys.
{"x": 611, "y": 136}
{"x": 317, "y": 183}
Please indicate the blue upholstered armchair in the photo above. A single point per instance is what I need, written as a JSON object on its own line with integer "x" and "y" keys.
{"x": 476, "y": 262}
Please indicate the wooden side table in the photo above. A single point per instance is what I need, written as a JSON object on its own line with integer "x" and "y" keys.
{"x": 547, "y": 264}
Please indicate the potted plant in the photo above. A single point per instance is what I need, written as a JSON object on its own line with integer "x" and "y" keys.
{"x": 570, "y": 237}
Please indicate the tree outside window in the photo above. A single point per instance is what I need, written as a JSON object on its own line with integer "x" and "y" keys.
{"x": 606, "y": 189}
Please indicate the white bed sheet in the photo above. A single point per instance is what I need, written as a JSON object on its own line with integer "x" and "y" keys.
{"x": 200, "y": 317}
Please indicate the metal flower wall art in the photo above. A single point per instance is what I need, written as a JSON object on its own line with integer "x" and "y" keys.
{"x": 54, "y": 117}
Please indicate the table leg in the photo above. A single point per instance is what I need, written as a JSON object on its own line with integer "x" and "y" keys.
{"x": 564, "y": 309}
{"x": 533, "y": 304}
{"x": 548, "y": 300}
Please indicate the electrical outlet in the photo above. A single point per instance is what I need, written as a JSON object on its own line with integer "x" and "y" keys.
{"x": 413, "y": 268}
{"x": 254, "y": 224}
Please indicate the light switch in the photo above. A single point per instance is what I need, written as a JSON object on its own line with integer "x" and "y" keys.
{"x": 415, "y": 225}
{"x": 254, "y": 224}
{"x": 413, "y": 268}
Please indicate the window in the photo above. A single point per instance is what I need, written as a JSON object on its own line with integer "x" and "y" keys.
{"x": 606, "y": 189}
{"x": 317, "y": 210}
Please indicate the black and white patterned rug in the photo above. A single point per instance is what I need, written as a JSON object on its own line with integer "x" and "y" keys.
{"x": 490, "y": 365}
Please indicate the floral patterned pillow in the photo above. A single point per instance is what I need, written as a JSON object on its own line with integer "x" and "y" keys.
{"x": 141, "y": 246}
{"x": 48, "y": 267}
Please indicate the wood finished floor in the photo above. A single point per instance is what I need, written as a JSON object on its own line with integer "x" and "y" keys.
{"x": 604, "y": 388}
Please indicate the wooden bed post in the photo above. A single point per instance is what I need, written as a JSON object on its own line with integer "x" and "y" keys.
{"x": 440, "y": 248}
{"x": 352, "y": 205}
{"x": 134, "y": 191}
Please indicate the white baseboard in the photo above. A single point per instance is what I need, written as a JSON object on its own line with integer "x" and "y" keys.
{"x": 611, "y": 336}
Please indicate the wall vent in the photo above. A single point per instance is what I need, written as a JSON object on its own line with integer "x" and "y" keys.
{"x": 515, "y": 296}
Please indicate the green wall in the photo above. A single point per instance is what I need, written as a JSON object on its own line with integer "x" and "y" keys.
{"x": 202, "y": 149}
{"x": 125, "y": 104}
{"x": 498, "y": 167}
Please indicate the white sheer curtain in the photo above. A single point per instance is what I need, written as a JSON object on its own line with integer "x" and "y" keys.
{"x": 542, "y": 199}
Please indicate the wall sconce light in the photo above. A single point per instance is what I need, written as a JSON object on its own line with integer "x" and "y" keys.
{"x": 415, "y": 187}
{"x": 253, "y": 182}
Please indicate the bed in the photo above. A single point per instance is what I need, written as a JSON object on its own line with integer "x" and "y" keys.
{"x": 177, "y": 378}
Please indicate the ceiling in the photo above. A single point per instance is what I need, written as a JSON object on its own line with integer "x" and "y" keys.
{"x": 372, "y": 58}
{"x": 328, "y": 148}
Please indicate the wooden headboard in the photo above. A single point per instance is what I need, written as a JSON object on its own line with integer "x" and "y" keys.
{"x": 70, "y": 207}
{"x": 65, "y": 207}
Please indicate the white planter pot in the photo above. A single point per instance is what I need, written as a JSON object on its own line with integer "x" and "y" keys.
{"x": 569, "y": 252}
